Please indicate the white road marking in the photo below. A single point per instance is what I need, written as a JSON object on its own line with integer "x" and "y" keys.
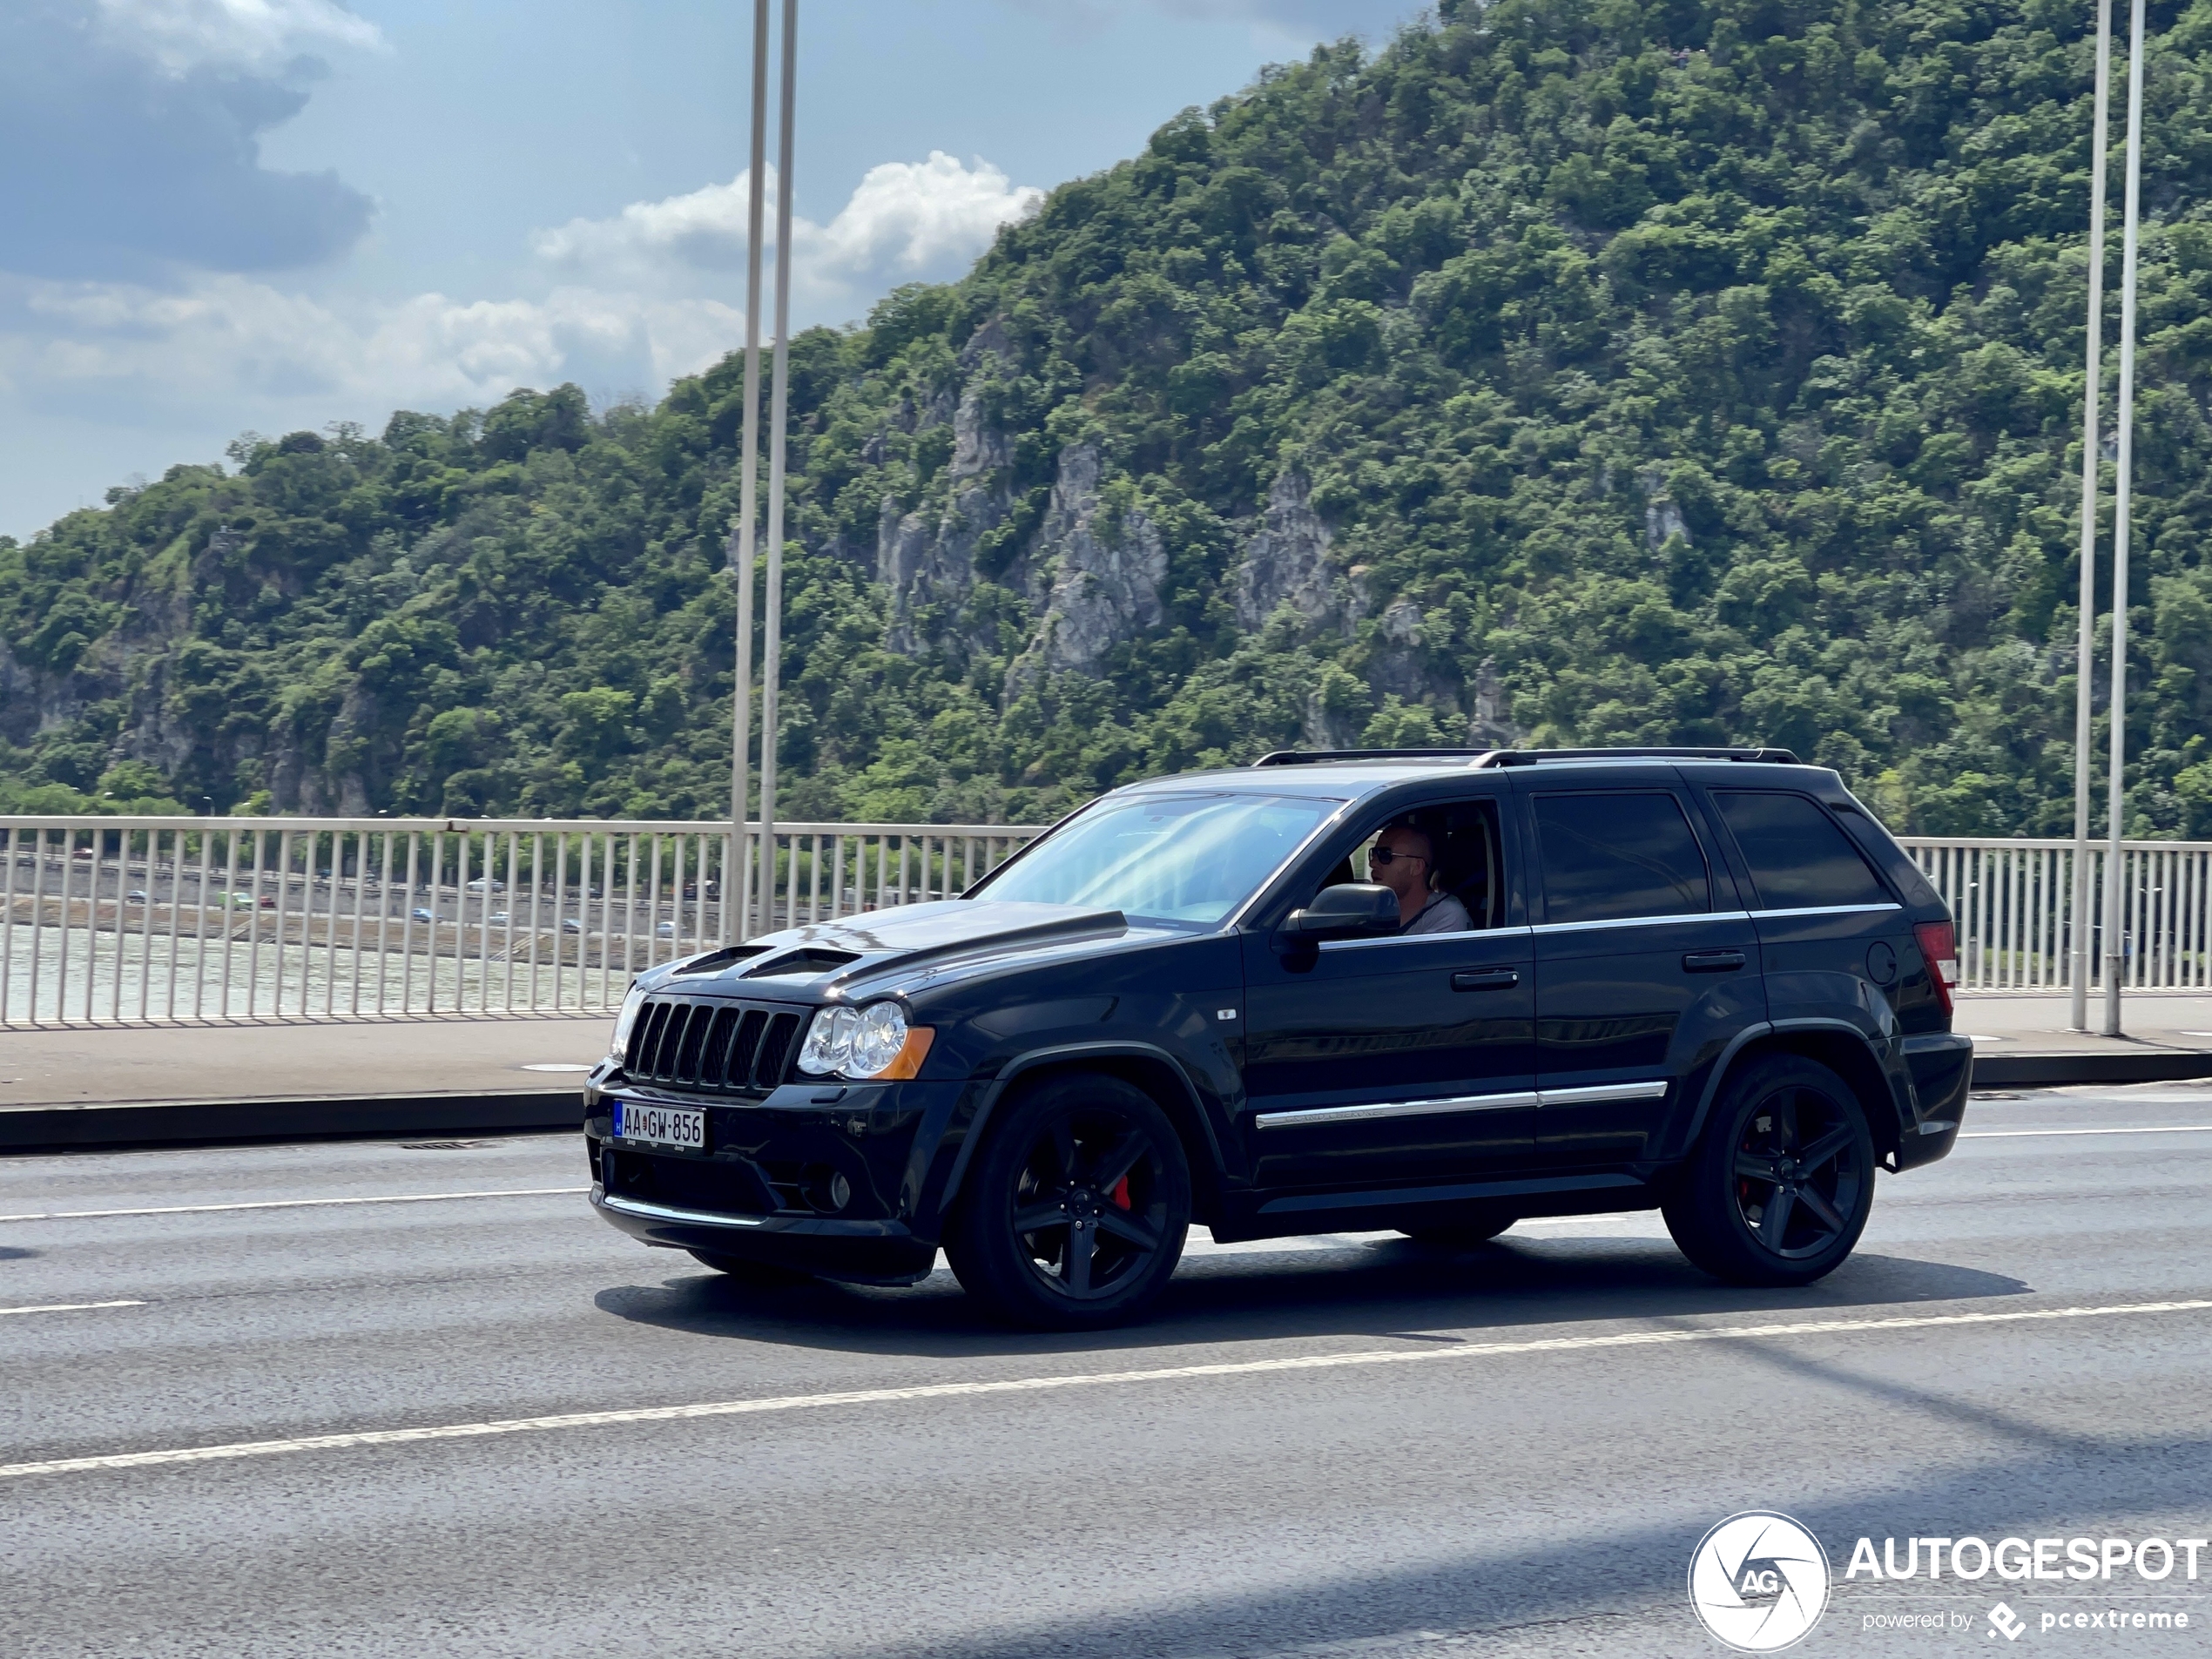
{"x": 71, "y": 1307}
{"x": 295, "y": 1204}
{"x": 2016, "y": 1134}
{"x": 1084, "y": 1380}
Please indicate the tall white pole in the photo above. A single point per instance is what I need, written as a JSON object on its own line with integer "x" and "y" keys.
{"x": 771, "y": 634}
{"x": 736, "y": 868}
{"x": 2115, "y": 945}
{"x": 2086, "y": 638}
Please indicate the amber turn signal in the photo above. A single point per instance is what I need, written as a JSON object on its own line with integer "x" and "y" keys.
{"x": 919, "y": 1037}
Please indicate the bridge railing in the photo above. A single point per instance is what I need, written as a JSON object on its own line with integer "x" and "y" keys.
{"x": 2014, "y": 904}
{"x": 149, "y": 920}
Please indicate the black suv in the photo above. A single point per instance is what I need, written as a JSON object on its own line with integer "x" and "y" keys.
{"x": 1703, "y": 981}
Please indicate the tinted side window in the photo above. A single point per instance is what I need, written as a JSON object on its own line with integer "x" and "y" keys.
{"x": 1622, "y": 854}
{"x": 1799, "y": 856}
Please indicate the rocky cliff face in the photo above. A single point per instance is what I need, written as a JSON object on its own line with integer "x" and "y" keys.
{"x": 1092, "y": 579}
{"x": 1287, "y": 561}
{"x": 1092, "y": 573}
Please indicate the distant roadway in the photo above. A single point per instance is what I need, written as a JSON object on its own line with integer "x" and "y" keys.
{"x": 1330, "y": 1446}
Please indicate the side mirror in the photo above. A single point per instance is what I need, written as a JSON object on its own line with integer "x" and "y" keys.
{"x": 1350, "y": 910}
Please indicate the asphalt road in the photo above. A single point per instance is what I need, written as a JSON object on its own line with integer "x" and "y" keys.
{"x": 1326, "y": 1446}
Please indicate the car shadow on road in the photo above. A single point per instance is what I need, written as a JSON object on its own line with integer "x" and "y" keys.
{"x": 1375, "y": 1288}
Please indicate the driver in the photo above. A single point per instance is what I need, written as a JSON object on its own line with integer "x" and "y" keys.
{"x": 1403, "y": 859}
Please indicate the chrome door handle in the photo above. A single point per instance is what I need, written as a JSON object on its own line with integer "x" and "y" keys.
{"x": 1713, "y": 961}
{"x": 1487, "y": 979}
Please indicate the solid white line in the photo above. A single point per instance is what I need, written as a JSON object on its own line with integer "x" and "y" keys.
{"x": 2016, "y": 1134}
{"x": 296, "y": 1203}
{"x": 1083, "y": 1379}
{"x": 72, "y": 1307}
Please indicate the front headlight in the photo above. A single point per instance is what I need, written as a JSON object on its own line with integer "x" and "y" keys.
{"x": 626, "y": 1019}
{"x": 829, "y": 1041}
{"x": 874, "y": 1043}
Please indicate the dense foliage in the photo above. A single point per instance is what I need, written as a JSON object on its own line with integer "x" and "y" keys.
{"x": 1688, "y": 371}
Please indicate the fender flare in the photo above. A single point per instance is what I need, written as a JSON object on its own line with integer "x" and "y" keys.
{"x": 973, "y": 1135}
{"x": 1751, "y": 1033}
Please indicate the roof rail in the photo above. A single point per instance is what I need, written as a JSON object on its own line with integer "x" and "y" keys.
{"x": 1530, "y": 757}
{"x": 1316, "y": 757}
{"x": 1485, "y": 758}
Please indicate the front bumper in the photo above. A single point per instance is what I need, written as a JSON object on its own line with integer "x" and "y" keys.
{"x": 766, "y": 1187}
{"x": 866, "y": 1252}
{"x": 1942, "y": 1065}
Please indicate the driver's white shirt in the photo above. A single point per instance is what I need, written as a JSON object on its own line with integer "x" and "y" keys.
{"x": 1441, "y": 915}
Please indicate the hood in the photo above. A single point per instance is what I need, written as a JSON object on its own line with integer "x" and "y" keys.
{"x": 823, "y": 957}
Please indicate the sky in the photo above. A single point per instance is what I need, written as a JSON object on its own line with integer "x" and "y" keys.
{"x": 228, "y": 216}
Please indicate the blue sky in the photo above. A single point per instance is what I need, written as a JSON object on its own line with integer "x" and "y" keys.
{"x": 233, "y": 215}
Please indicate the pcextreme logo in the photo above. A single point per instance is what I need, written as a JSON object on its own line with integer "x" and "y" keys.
{"x": 1759, "y": 1581}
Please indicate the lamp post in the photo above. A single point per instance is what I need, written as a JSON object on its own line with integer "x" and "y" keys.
{"x": 2085, "y": 634}
{"x": 772, "y": 633}
{"x": 2115, "y": 946}
{"x": 737, "y": 865}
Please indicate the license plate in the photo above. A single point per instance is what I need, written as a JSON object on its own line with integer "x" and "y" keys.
{"x": 660, "y": 1125}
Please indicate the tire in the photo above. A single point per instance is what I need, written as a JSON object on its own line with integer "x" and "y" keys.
{"x": 1462, "y": 1235}
{"x": 1779, "y": 1187}
{"x": 1075, "y": 1211}
{"x": 760, "y": 1275}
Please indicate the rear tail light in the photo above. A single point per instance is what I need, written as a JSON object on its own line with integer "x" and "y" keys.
{"x": 1939, "y": 944}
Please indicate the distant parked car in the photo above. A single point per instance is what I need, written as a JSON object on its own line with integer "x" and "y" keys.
{"x": 571, "y": 925}
{"x": 423, "y": 913}
{"x": 478, "y": 886}
{"x": 137, "y": 895}
{"x": 498, "y": 919}
{"x": 666, "y": 930}
{"x": 268, "y": 901}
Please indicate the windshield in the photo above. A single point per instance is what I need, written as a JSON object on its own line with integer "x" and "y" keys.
{"x": 1170, "y": 858}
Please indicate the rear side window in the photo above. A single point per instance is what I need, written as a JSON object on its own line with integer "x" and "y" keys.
{"x": 1800, "y": 857}
{"x": 1607, "y": 856}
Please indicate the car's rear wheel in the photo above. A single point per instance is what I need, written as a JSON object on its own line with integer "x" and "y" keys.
{"x": 1460, "y": 1235}
{"x": 1075, "y": 1214}
{"x": 1780, "y": 1186}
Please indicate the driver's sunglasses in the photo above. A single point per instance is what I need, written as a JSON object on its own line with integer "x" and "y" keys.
{"x": 1383, "y": 855}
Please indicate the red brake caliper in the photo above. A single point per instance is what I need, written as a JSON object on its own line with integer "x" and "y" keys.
{"x": 1121, "y": 1192}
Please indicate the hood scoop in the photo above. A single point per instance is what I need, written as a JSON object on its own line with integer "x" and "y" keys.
{"x": 715, "y": 961}
{"x": 803, "y": 963}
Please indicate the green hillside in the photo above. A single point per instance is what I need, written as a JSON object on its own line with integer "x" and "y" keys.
{"x": 1562, "y": 373}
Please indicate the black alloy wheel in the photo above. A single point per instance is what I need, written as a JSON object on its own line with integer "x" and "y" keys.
{"x": 1779, "y": 1188}
{"x": 1075, "y": 1214}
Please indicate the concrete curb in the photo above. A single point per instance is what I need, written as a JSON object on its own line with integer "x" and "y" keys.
{"x": 2158, "y": 1066}
{"x": 170, "y": 1123}
{"x": 173, "y": 1122}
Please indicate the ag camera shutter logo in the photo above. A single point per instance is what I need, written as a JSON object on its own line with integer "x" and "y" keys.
{"x": 1759, "y": 1581}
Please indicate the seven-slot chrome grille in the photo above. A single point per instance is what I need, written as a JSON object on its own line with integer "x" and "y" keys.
{"x": 712, "y": 1047}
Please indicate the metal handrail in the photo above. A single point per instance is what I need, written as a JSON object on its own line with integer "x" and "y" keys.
{"x": 131, "y": 920}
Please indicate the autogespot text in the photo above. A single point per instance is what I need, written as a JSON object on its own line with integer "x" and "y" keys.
{"x": 2080, "y": 1558}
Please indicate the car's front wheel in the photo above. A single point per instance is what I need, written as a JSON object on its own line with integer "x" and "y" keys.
{"x": 1075, "y": 1214}
{"x": 1780, "y": 1186}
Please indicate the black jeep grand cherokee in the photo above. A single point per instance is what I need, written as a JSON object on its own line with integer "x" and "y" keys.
{"x": 1705, "y": 980}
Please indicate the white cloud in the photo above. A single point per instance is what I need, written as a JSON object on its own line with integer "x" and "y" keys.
{"x": 631, "y": 302}
{"x": 904, "y": 220}
{"x": 183, "y": 35}
{"x": 238, "y": 338}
